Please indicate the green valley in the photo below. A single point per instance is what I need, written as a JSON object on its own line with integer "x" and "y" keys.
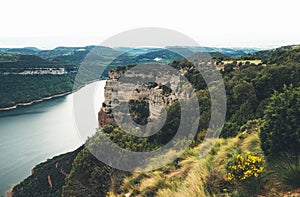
{"x": 256, "y": 155}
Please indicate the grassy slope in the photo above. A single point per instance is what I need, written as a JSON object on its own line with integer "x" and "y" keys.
{"x": 193, "y": 175}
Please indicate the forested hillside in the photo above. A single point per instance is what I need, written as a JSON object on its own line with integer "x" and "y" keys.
{"x": 28, "y": 74}
{"x": 257, "y": 154}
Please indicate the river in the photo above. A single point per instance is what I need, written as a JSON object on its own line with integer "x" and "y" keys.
{"x": 31, "y": 134}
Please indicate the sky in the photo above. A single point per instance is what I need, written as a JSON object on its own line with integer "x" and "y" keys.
{"x": 47, "y": 24}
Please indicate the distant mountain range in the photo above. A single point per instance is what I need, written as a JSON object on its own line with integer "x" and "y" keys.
{"x": 136, "y": 51}
{"x": 76, "y": 54}
{"x": 70, "y": 58}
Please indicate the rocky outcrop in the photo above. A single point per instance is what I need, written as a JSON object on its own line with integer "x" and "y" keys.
{"x": 49, "y": 181}
{"x": 105, "y": 118}
{"x": 157, "y": 95}
{"x": 9, "y": 193}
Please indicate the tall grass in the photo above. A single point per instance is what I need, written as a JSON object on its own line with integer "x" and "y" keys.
{"x": 192, "y": 174}
{"x": 285, "y": 170}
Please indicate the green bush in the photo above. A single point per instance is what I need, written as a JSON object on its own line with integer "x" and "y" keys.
{"x": 281, "y": 131}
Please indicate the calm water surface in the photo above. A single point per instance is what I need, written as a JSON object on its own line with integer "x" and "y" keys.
{"x": 32, "y": 134}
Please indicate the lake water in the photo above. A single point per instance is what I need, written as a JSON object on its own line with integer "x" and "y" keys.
{"x": 31, "y": 134}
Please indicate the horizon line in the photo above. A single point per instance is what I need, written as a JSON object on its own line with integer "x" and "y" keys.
{"x": 265, "y": 47}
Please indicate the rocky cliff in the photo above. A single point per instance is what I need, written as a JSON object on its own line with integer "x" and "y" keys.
{"x": 125, "y": 86}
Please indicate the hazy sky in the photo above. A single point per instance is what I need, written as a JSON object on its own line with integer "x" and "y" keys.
{"x": 221, "y": 23}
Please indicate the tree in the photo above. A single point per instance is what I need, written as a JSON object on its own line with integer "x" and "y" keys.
{"x": 281, "y": 128}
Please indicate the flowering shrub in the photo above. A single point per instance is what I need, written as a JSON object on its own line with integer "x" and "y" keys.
{"x": 244, "y": 166}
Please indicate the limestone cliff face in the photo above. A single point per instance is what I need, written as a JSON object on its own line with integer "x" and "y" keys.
{"x": 157, "y": 95}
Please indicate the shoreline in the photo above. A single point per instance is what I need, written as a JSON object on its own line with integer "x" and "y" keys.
{"x": 9, "y": 191}
{"x": 36, "y": 101}
{"x": 46, "y": 98}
